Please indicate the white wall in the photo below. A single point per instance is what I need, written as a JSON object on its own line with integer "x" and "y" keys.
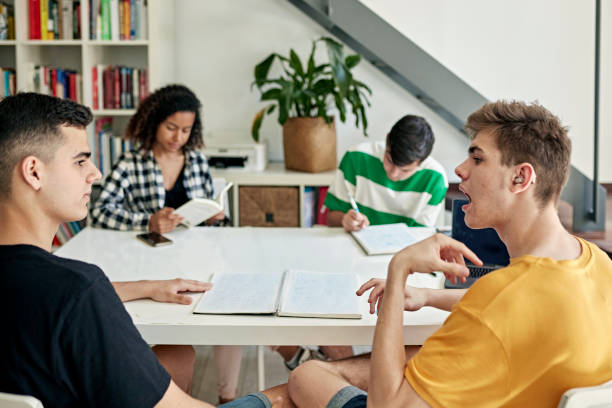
{"x": 530, "y": 50}
{"x": 218, "y": 43}
{"x": 523, "y": 49}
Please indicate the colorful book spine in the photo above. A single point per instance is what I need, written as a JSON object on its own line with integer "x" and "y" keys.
{"x": 67, "y": 32}
{"x": 34, "y": 14}
{"x": 44, "y": 17}
{"x": 106, "y": 19}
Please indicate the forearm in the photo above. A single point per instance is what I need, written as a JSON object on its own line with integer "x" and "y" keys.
{"x": 444, "y": 299}
{"x": 388, "y": 356}
{"x": 334, "y": 218}
{"x": 133, "y": 290}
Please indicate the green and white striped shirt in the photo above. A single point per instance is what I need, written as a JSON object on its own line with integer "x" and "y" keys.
{"x": 416, "y": 201}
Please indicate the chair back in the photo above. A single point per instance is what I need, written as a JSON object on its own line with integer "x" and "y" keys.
{"x": 18, "y": 401}
{"x": 599, "y": 396}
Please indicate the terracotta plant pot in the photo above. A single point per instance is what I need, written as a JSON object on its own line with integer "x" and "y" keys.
{"x": 309, "y": 144}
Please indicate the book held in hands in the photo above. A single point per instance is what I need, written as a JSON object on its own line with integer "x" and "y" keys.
{"x": 198, "y": 210}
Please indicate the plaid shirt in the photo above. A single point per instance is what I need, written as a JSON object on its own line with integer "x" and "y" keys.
{"x": 134, "y": 190}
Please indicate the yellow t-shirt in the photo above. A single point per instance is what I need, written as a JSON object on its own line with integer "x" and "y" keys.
{"x": 522, "y": 336}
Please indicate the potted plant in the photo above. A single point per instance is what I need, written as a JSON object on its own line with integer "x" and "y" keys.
{"x": 304, "y": 96}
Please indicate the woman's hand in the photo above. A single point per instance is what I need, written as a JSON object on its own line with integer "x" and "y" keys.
{"x": 165, "y": 220}
{"x": 220, "y": 216}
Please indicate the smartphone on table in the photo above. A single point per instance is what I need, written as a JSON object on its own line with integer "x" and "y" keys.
{"x": 154, "y": 239}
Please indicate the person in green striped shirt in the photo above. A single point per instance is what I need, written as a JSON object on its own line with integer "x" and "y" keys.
{"x": 390, "y": 181}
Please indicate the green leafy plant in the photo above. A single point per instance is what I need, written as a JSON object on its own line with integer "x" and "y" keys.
{"x": 312, "y": 90}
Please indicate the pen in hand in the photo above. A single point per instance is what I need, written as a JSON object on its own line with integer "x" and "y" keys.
{"x": 354, "y": 204}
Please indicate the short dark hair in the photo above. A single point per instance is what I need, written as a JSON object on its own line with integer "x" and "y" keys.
{"x": 156, "y": 108}
{"x": 528, "y": 133}
{"x": 30, "y": 125}
{"x": 410, "y": 140}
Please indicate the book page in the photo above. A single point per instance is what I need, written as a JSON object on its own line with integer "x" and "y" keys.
{"x": 384, "y": 239}
{"x": 198, "y": 210}
{"x": 319, "y": 294}
{"x": 220, "y": 198}
{"x": 241, "y": 293}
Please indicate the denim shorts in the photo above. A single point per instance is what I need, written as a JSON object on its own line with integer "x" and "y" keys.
{"x": 257, "y": 400}
{"x": 347, "y": 397}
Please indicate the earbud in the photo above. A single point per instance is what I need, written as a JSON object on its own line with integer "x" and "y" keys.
{"x": 518, "y": 180}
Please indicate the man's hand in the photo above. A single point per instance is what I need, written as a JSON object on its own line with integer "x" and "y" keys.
{"x": 171, "y": 290}
{"x": 165, "y": 220}
{"x": 436, "y": 253}
{"x": 414, "y": 298}
{"x": 354, "y": 221}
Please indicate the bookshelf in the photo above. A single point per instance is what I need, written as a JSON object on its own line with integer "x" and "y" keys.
{"x": 155, "y": 53}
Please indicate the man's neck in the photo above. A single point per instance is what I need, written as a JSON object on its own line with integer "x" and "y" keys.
{"x": 18, "y": 227}
{"x": 538, "y": 232}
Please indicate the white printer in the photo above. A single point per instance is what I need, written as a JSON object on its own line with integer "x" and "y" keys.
{"x": 228, "y": 151}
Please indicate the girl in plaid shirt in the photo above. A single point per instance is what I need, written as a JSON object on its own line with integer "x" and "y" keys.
{"x": 166, "y": 171}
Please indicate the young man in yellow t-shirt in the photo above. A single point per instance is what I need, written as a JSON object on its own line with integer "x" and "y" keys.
{"x": 521, "y": 335}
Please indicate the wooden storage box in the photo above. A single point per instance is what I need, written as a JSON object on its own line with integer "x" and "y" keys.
{"x": 269, "y": 206}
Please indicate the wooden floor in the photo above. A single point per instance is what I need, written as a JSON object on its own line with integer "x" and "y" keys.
{"x": 205, "y": 376}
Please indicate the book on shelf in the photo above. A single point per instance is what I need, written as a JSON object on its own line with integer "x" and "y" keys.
{"x": 322, "y": 210}
{"x": 54, "y": 19}
{"x": 105, "y": 146}
{"x": 8, "y": 82}
{"x": 66, "y": 231}
{"x": 117, "y": 20}
{"x": 198, "y": 210}
{"x": 293, "y": 293}
{"x": 118, "y": 87}
{"x": 7, "y": 21}
{"x": 63, "y": 83}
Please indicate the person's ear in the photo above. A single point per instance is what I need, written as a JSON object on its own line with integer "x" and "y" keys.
{"x": 30, "y": 170}
{"x": 523, "y": 176}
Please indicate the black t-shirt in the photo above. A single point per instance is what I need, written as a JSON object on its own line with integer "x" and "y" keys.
{"x": 67, "y": 339}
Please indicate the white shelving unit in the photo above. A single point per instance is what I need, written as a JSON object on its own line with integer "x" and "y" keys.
{"x": 275, "y": 175}
{"x": 155, "y": 53}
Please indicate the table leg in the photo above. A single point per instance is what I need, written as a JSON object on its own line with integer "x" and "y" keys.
{"x": 261, "y": 376}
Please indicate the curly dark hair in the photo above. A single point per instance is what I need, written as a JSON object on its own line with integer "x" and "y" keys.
{"x": 156, "y": 108}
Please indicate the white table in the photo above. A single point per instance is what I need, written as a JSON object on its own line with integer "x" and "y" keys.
{"x": 200, "y": 251}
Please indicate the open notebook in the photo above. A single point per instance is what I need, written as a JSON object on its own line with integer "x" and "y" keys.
{"x": 294, "y": 293}
{"x": 384, "y": 239}
{"x": 198, "y": 210}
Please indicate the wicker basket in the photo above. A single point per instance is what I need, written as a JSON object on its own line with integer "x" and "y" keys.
{"x": 309, "y": 144}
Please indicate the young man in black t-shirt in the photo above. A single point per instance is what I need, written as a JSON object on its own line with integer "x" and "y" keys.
{"x": 67, "y": 340}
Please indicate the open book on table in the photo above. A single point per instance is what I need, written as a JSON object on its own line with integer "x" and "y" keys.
{"x": 389, "y": 238}
{"x": 198, "y": 210}
{"x": 295, "y": 293}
